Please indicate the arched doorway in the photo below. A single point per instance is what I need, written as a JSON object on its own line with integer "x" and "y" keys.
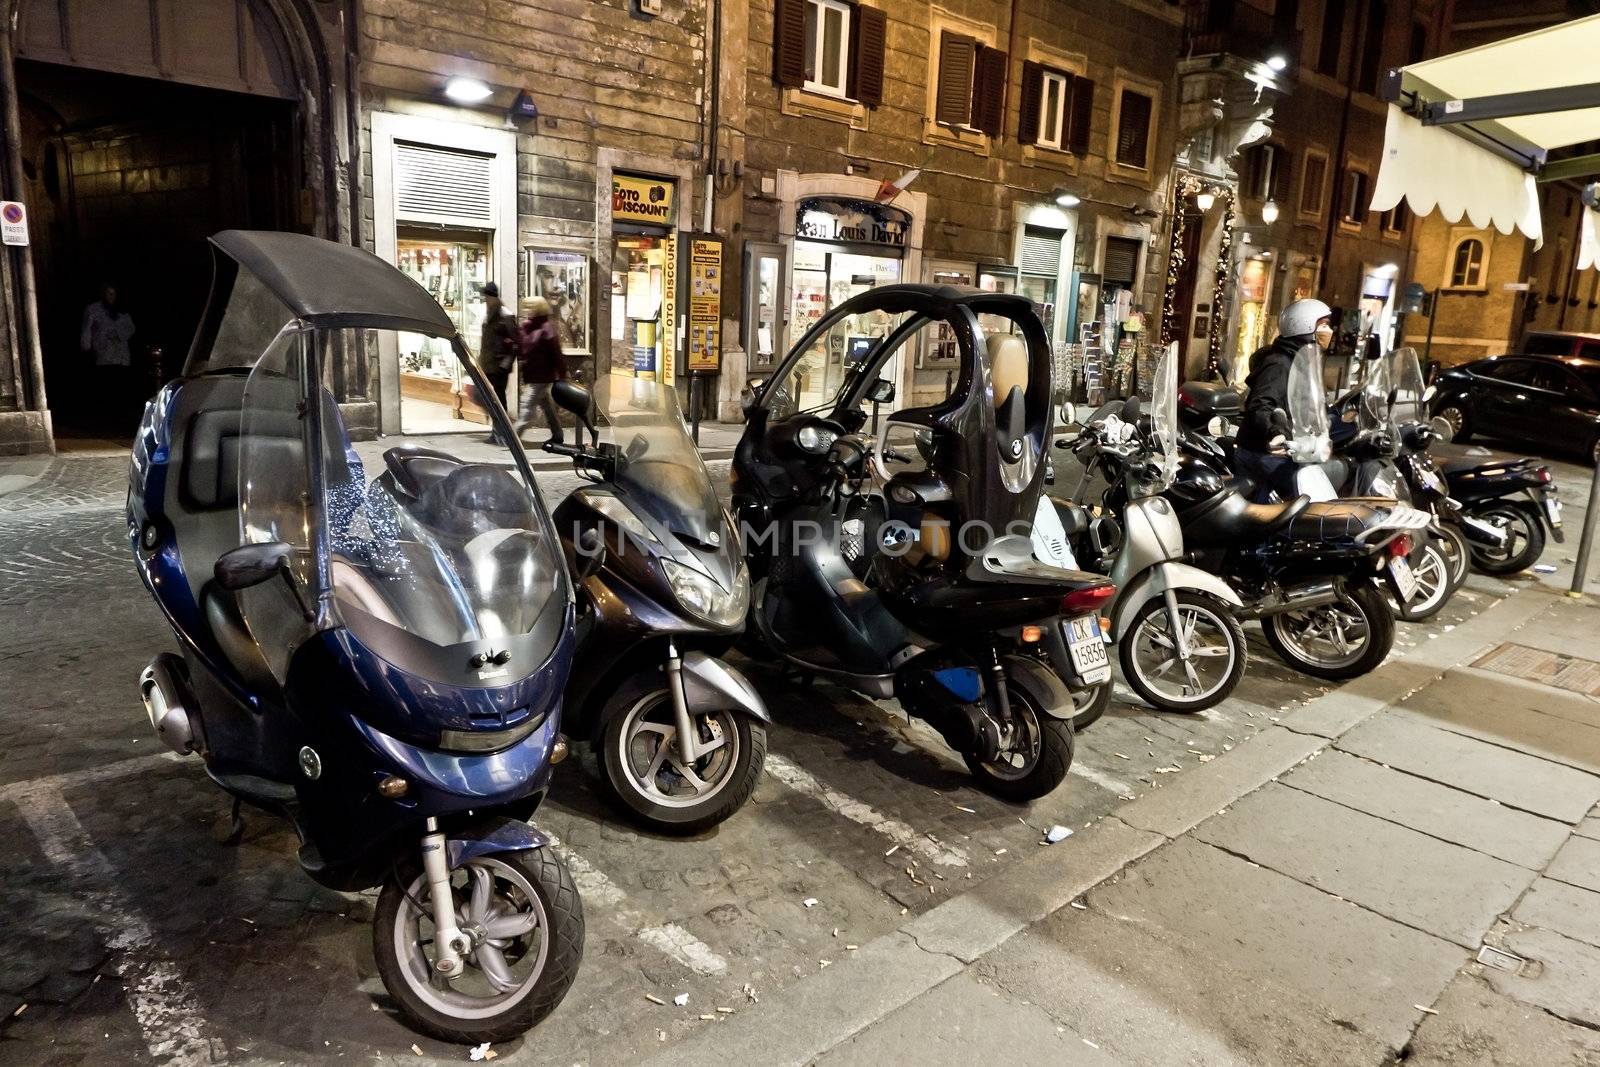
{"x": 147, "y": 126}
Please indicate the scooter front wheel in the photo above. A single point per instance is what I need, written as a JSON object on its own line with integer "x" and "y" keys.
{"x": 522, "y": 915}
{"x": 1164, "y": 679}
{"x": 1458, "y": 550}
{"x": 1037, "y": 758}
{"x": 644, "y": 771}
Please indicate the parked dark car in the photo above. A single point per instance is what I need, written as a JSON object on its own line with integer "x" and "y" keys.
{"x": 1560, "y": 343}
{"x": 1528, "y": 400}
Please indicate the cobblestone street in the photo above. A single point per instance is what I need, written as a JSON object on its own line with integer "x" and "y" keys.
{"x": 117, "y": 883}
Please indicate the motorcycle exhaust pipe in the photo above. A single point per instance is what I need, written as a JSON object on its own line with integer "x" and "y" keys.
{"x": 1483, "y": 533}
{"x": 1300, "y": 598}
{"x": 166, "y": 703}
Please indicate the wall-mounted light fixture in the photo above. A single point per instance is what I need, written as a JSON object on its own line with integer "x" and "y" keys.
{"x": 1269, "y": 212}
{"x": 1067, "y": 200}
{"x": 1205, "y": 199}
{"x": 464, "y": 90}
{"x": 1277, "y": 62}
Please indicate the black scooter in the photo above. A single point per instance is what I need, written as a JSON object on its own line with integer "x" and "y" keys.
{"x": 955, "y": 619}
{"x": 679, "y": 734}
{"x": 1514, "y": 496}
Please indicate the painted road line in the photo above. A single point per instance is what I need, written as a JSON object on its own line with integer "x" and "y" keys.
{"x": 103, "y": 772}
{"x": 896, "y": 831}
{"x": 1099, "y": 777}
{"x": 164, "y": 1005}
{"x": 597, "y": 889}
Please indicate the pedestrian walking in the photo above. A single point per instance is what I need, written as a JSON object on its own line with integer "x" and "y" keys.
{"x": 1264, "y": 434}
{"x": 104, "y": 334}
{"x": 498, "y": 346}
{"x": 541, "y": 363}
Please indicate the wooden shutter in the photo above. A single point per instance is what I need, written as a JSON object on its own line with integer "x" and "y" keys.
{"x": 789, "y": 43}
{"x": 868, "y": 40}
{"x": 1029, "y": 101}
{"x": 1082, "y": 117}
{"x": 1280, "y": 178}
{"x": 953, "y": 104}
{"x": 989, "y": 90}
{"x": 1133, "y": 130}
{"x": 1121, "y": 263}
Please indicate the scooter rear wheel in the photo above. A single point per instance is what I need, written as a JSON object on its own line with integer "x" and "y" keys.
{"x": 513, "y": 977}
{"x": 1458, "y": 550}
{"x": 1524, "y": 544}
{"x": 1435, "y": 584}
{"x": 1345, "y": 639}
{"x": 1038, "y": 759}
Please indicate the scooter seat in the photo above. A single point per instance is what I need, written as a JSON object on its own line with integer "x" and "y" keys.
{"x": 1484, "y": 459}
{"x": 1235, "y": 519}
{"x": 1333, "y": 520}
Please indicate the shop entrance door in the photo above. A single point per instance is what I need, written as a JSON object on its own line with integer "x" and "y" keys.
{"x": 766, "y": 279}
{"x": 453, "y": 267}
{"x": 825, "y": 277}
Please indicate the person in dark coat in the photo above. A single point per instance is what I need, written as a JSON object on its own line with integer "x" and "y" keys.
{"x": 541, "y": 363}
{"x": 1263, "y": 451}
{"x": 498, "y": 346}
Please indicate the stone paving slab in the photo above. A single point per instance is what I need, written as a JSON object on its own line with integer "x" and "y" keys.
{"x": 1512, "y": 778}
{"x": 1567, "y": 909}
{"x": 1565, "y": 981}
{"x": 1449, "y": 891}
{"x": 1526, "y": 716}
{"x": 1578, "y": 863}
{"x": 1197, "y": 956}
{"x": 1589, "y": 828}
{"x": 1434, "y": 809}
{"x": 943, "y": 1025}
{"x": 1477, "y": 1027}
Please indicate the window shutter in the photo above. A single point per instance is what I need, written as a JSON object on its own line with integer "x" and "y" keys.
{"x": 1029, "y": 101}
{"x": 1133, "y": 130}
{"x": 1041, "y": 251}
{"x": 1082, "y": 116}
{"x": 868, "y": 40}
{"x": 440, "y": 183}
{"x": 789, "y": 43}
{"x": 989, "y": 90}
{"x": 1121, "y": 261}
{"x": 1280, "y": 178}
{"x": 953, "y": 105}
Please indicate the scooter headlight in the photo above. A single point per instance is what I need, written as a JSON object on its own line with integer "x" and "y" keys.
{"x": 705, "y": 597}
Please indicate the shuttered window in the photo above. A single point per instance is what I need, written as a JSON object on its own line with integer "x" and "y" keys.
{"x": 989, "y": 90}
{"x": 827, "y": 51}
{"x": 1054, "y": 90}
{"x": 1311, "y": 182}
{"x": 1082, "y": 116}
{"x": 441, "y": 183}
{"x": 1353, "y": 197}
{"x": 1041, "y": 251}
{"x": 867, "y": 48}
{"x": 832, "y": 47}
{"x": 957, "y": 55}
{"x": 1133, "y": 129}
{"x": 1121, "y": 265}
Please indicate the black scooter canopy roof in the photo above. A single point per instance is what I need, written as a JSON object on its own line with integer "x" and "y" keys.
{"x": 934, "y": 301}
{"x": 333, "y": 285}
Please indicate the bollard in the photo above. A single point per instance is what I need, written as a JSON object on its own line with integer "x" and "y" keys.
{"x": 1580, "y": 569}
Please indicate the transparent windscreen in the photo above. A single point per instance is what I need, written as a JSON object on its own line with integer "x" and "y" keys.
{"x": 816, "y": 380}
{"x": 1405, "y": 379}
{"x": 1164, "y": 409}
{"x": 435, "y": 530}
{"x": 1308, "y": 406}
{"x": 1372, "y": 406}
{"x": 658, "y": 465}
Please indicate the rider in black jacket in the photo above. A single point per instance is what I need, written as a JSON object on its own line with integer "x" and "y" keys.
{"x": 1263, "y": 437}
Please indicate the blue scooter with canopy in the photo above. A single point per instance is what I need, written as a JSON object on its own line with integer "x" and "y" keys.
{"x": 375, "y": 631}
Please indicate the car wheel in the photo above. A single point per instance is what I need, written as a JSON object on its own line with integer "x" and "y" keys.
{"x": 1456, "y": 417}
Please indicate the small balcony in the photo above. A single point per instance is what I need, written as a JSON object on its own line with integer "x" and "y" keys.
{"x": 1238, "y": 28}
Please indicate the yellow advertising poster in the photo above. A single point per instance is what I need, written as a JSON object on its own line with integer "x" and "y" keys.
{"x": 705, "y": 305}
{"x": 669, "y": 312}
{"x": 639, "y": 199}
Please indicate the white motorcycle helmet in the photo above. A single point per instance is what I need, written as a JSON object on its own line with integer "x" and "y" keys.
{"x": 1299, "y": 319}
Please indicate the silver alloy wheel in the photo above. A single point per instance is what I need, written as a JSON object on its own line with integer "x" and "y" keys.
{"x": 1021, "y": 754}
{"x": 1514, "y": 524}
{"x": 647, "y": 751}
{"x": 1455, "y": 417}
{"x": 1457, "y": 553}
{"x": 1332, "y": 636}
{"x": 1433, "y": 581}
{"x": 498, "y": 909}
{"x": 1210, "y": 662}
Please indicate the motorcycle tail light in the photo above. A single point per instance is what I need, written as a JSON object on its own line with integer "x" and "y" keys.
{"x": 1400, "y": 546}
{"x": 1543, "y": 474}
{"x": 1089, "y": 598}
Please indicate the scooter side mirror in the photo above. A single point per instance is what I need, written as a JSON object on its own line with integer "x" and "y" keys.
{"x": 591, "y": 553}
{"x": 249, "y": 565}
{"x": 1442, "y": 428}
{"x": 881, "y": 392}
{"x": 572, "y": 397}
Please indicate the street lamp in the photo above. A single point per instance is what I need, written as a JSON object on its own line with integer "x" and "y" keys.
{"x": 1205, "y": 199}
{"x": 1269, "y": 212}
{"x": 1068, "y": 200}
{"x": 1277, "y": 63}
{"x": 467, "y": 90}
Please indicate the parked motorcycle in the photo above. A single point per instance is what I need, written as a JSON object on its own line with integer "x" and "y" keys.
{"x": 1180, "y": 646}
{"x": 1515, "y": 496}
{"x": 662, "y": 591}
{"x": 374, "y": 636}
{"x": 955, "y": 618}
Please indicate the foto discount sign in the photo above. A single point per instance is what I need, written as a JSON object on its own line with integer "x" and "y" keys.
{"x": 639, "y": 199}
{"x": 13, "y": 223}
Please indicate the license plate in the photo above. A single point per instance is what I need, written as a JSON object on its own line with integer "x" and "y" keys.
{"x": 1088, "y": 648}
{"x": 1404, "y": 581}
{"x": 1552, "y": 508}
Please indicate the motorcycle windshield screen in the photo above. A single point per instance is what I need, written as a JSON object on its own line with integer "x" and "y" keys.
{"x": 1372, "y": 407}
{"x": 1405, "y": 380}
{"x": 658, "y": 465}
{"x": 1164, "y": 410}
{"x": 436, "y": 530}
{"x": 1308, "y": 406}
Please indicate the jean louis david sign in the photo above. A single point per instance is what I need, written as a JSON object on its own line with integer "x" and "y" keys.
{"x": 847, "y": 221}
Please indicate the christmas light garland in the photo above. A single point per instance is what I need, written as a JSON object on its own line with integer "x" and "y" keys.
{"x": 1188, "y": 187}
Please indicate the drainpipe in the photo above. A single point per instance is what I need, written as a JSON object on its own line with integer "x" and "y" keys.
{"x": 1011, "y": 55}
{"x": 14, "y": 181}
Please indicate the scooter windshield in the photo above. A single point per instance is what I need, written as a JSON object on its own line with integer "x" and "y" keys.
{"x": 1308, "y": 407}
{"x": 658, "y": 465}
{"x": 1405, "y": 379}
{"x": 1372, "y": 406}
{"x": 1164, "y": 411}
{"x": 434, "y": 532}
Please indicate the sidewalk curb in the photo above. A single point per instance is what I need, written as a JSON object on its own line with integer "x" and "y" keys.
{"x": 823, "y": 1011}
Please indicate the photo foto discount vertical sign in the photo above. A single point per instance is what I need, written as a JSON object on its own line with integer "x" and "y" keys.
{"x": 13, "y": 223}
{"x": 705, "y": 305}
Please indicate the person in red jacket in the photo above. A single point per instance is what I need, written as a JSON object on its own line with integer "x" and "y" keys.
{"x": 541, "y": 362}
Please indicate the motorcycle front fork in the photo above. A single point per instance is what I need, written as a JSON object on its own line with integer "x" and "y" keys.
{"x": 449, "y": 943}
{"x": 1180, "y": 640}
{"x": 689, "y": 747}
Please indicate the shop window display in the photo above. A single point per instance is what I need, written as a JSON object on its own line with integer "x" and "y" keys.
{"x": 823, "y": 279}
{"x": 454, "y": 271}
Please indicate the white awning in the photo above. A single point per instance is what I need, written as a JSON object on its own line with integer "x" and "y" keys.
{"x": 1471, "y": 168}
{"x": 1589, "y": 241}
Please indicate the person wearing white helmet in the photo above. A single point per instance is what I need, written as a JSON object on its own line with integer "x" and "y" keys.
{"x": 1263, "y": 435}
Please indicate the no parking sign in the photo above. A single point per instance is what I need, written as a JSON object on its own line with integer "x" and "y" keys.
{"x": 13, "y": 223}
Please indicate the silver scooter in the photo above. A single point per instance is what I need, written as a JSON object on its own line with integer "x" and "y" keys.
{"x": 1179, "y": 642}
